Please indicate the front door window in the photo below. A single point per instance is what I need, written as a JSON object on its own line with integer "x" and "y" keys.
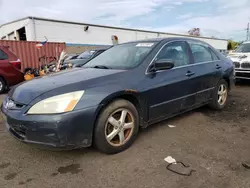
{"x": 176, "y": 52}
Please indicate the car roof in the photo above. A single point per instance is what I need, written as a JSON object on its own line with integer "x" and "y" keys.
{"x": 148, "y": 40}
{"x": 167, "y": 39}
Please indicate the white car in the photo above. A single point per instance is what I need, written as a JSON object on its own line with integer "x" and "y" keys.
{"x": 241, "y": 60}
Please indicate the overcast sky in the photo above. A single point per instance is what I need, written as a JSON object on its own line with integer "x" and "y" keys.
{"x": 219, "y": 18}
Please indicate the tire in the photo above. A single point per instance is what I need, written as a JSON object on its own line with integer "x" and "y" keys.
{"x": 215, "y": 104}
{"x": 2, "y": 85}
{"x": 103, "y": 140}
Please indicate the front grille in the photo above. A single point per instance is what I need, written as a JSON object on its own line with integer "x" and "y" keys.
{"x": 236, "y": 64}
{"x": 245, "y": 65}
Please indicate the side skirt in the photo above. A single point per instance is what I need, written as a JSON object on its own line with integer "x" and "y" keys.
{"x": 146, "y": 124}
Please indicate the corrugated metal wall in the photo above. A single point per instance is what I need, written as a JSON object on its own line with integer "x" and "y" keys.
{"x": 29, "y": 54}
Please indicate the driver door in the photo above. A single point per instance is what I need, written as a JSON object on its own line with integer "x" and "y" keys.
{"x": 170, "y": 91}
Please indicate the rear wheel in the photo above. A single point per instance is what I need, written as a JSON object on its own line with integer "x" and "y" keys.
{"x": 2, "y": 85}
{"x": 117, "y": 127}
{"x": 220, "y": 96}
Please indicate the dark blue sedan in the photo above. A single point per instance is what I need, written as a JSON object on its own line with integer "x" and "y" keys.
{"x": 129, "y": 86}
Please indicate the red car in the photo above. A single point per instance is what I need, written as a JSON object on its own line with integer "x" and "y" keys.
{"x": 10, "y": 69}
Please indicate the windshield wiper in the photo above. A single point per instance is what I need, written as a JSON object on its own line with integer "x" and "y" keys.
{"x": 100, "y": 67}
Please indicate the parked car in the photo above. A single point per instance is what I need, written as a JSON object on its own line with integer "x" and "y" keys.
{"x": 241, "y": 60}
{"x": 10, "y": 69}
{"x": 83, "y": 58}
{"x": 71, "y": 56}
{"x": 129, "y": 86}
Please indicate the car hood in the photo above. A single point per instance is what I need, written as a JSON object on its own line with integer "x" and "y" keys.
{"x": 26, "y": 92}
{"x": 239, "y": 57}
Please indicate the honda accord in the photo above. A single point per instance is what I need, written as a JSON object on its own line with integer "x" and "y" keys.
{"x": 127, "y": 87}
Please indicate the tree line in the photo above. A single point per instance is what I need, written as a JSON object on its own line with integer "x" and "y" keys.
{"x": 232, "y": 45}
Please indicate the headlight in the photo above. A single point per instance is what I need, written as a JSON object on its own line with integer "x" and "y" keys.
{"x": 57, "y": 104}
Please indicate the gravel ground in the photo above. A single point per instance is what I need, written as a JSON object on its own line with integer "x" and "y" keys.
{"x": 213, "y": 143}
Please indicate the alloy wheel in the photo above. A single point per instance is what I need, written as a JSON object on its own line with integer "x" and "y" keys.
{"x": 222, "y": 94}
{"x": 119, "y": 127}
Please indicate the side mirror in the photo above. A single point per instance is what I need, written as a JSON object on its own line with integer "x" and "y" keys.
{"x": 162, "y": 64}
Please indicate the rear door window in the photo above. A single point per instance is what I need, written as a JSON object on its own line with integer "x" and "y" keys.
{"x": 201, "y": 53}
{"x": 3, "y": 55}
{"x": 215, "y": 57}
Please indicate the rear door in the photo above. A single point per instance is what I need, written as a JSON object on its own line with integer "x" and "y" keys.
{"x": 207, "y": 71}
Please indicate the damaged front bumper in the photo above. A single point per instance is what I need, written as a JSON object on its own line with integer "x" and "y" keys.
{"x": 62, "y": 131}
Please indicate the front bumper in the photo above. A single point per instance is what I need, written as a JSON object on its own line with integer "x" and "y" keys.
{"x": 242, "y": 74}
{"x": 64, "y": 131}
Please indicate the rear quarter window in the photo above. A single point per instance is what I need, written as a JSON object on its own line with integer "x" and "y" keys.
{"x": 201, "y": 53}
{"x": 3, "y": 55}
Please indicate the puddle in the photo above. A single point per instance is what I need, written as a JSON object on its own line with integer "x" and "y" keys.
{"x": 21, "y": 183}
{"x": 28, "y": 180}
{"x": 10, "y": 176}
{"x": 4, "y": 165}
{"x": 54, "y": 174}
{"x": 73, "y": 169}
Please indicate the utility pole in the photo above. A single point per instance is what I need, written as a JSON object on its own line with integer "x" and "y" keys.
{"x": 247, "y": 31}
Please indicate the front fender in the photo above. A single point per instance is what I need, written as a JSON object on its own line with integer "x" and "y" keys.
{"x": 97, "y": 96}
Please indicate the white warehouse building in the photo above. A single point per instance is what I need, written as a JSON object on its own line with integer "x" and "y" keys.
{"x": 74, "y": 33}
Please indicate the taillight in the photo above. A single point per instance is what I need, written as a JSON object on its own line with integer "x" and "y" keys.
{"x": 16, "y": 64}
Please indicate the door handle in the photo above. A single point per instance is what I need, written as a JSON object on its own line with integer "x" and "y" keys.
{"x": 189, "y": 73}
{"x": 218, "y": 66}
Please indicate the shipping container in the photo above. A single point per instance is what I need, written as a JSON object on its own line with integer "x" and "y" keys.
{"x": 32, "y": 56}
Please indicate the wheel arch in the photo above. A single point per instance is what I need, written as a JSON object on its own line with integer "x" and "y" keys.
{"x": 228, "y": 81}
{"x": 129, "y": 95}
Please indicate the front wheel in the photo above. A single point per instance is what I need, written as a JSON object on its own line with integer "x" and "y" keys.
{"x": 117, "y": 127}
{"x": 220, "y": 96}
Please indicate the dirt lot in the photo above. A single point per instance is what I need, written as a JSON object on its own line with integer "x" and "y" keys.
{"x": 213, "y": 143}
